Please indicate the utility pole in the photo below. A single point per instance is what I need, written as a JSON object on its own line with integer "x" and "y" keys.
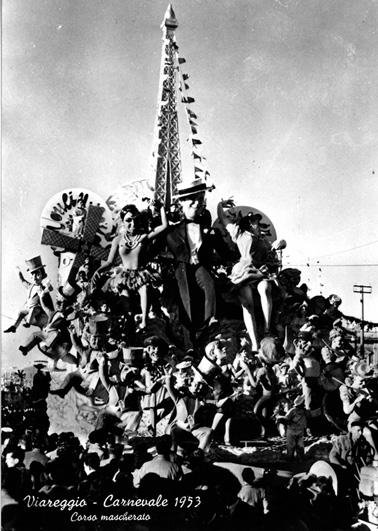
{"x": 362, "y": 290}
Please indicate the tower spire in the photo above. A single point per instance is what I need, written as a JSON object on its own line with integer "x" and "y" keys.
{"x": 166, "y": 154}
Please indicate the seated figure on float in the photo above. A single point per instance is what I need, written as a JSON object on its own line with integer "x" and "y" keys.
{"x": 187, "y": 394}
{"x": 86, "y": 379}
{"x": 131, "y": 243}
{"x": 39, "y": 305}
{"x": 123, "y": 410}
{"x": 256, "y": 267}
{"x": 156, "y": 401}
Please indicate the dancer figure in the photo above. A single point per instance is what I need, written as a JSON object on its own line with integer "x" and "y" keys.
{"x": 256, "y": 268}
{"x": 131, "y": 243}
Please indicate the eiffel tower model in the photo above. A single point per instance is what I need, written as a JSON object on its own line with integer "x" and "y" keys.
{"x": 173, "y": 86}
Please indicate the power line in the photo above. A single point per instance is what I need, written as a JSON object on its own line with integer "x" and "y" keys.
{"x": 346, "y": 250}
{"x": 331, "y": 265}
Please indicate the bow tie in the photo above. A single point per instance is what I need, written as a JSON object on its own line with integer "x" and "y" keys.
{"x": 191, "y": 222}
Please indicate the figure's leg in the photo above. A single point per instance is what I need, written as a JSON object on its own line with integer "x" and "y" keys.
{"x": 204, "y": 436}
{"x": 143, "y": 304}
{"x": 130, "y": 420}
{"x": 246, "y": 300}
{"x": 300, "y": 446}
{"x": 260, "y": 410}
{"x": 265, "y": 291}
{"x": 227, "y": 431}
{"x": 33, "y": 340}
{"x": 72, "y": 380}
{"x": 290, "y": 444}
{"x": 12, "y": 329}
{"x": 206, "y": 284}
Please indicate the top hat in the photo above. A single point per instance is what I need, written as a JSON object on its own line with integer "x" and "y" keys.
{"x": 34, "y": 264}
{"x": 197, "y": 185}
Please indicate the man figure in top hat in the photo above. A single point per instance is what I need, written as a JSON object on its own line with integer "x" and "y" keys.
{"x": 39, "y": 305}
{"x": 192, "y": 247}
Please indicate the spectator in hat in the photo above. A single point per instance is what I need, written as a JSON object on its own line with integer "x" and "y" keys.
{"x": 349, "y": 453}
{"x": 39, "y": 305}
{"x": 161, "y": 464}
{"x": 256, "y": 267}
{"x": 252, "y": 491}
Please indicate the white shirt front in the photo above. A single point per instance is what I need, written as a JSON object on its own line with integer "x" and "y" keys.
{"x": 193, "y": 232}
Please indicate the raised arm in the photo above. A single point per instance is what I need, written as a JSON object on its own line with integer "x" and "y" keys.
{"x": 112, "y": 253}
{"x": 104, "y": 373}
{"x": 228, "y": 203}
{"x": 159, "y": 228}
{"x": 24, "y": 282}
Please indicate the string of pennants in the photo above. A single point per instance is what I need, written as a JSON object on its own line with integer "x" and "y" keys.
{"x": 199, "y": 160}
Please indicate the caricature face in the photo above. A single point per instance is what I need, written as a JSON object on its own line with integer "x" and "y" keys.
{"x": 10, "y": 461}
{"x": 129, "y": 223}
{"x": 95, "y": 342}
{"x": 193, "y": 205}
{"x": 356, "y": 431}
{"x": 153, "y": 353}
{"x": 302, "y": 346}
{"x": 327, "y": 356}
{"x": 337, "y": 342}
{"x": 255, "y": 228}
{"x": 37, "y": 276}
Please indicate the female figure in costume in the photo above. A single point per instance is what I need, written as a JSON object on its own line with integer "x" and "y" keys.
{"x": 256, "y": 267}
{"x": 132, "y": 244}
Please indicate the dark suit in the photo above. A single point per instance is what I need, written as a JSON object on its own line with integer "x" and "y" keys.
{"x": 187, "y": 273}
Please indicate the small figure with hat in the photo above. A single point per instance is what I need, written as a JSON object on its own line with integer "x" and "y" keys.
{"x": 256, "y": 268}
{"x": 296, "y": 425}
{"x": 308, "y": 368}
{"x": 153, "y": 377}
{"x": 192, "y": 244}
{"x": 132, "y": 245}
{"x": 78, "y": 219}
{"x": 39, "y": 305}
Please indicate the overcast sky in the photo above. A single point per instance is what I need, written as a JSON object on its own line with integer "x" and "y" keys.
{"x": 286, "y": 94}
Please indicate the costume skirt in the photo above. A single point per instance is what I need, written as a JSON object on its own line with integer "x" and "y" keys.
{"x": 133, "y": 279}
{"x": 244, "y": 272}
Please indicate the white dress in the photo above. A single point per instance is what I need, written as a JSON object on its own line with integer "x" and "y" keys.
{"x": 244, "y": 270}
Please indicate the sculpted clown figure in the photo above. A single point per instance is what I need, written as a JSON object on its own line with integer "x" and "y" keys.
{"x": 39, "y": 305}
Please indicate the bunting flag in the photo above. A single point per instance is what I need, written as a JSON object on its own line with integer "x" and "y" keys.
{"x": 196, "y": 141}
{"x": 194, "y": 130}
{"x": 185, "y": 77}
{"x": 192, "y": 122}
{"x": 192, "y": 114}
{"x": 181, "y": 60}
{"x": 187, "y": 99}
{"x": 196, "y": 156}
